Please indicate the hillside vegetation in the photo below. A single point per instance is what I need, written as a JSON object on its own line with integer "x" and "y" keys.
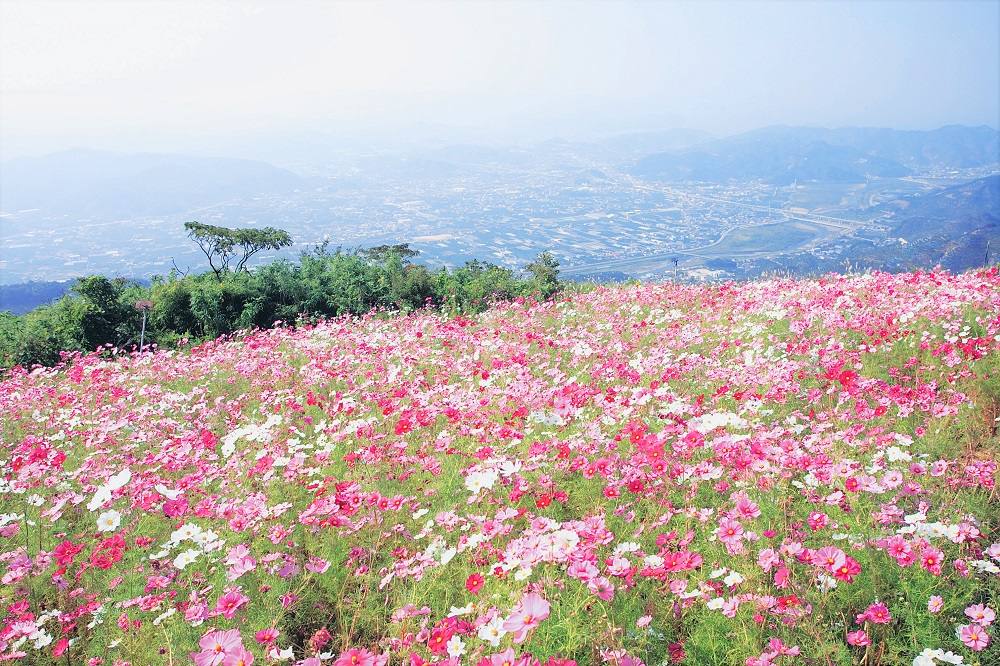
{"x": 188, "y": 309}
{"x": 774, "y": 472}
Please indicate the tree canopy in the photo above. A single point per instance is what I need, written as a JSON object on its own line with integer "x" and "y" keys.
{"x": 222, "y": 244}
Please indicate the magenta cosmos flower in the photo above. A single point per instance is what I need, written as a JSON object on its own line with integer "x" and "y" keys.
{"x": 528, "y": 615}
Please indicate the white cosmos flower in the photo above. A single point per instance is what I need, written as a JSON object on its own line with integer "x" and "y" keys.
{"x": 456, "y": 611}
{"x": 41, "y": 639}
{"x": 477, "y": 481}
{"x": 119, "y": 480}
{"x": 186, "y": 532}
{"x": 733, "y": 579}
{"x": 166, "y": 492}
{"x": 109, "y": 521}
{"x": 102, "y": 496}
{"x": 492, "y": 631}
{"x": 186, "y": 558}
{"x": 160, "y": 618}
{"x": 205, "y": 538}
{"x": 456, "y": 648}
{"x": 510, "y": 467}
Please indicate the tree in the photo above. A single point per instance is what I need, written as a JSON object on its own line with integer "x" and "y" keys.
{"x": 107, "y": 317}
{"x": 545, "y": 273}
{"x": 252, "y": 241}
{"x": 381, "y": 253}
{"x": 221, "y": 244}
{"x": 216, "y": 242}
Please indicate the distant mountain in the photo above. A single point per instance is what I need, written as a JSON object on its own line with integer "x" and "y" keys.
{"x": 951, "y": 228}
{"x": 957, "y": 146}
{"x": 652, "y": 142}
{"x": 24, "y": 297}
{"x": 782, "y": 155}
{"x": 953, "y": 211}
{"x": 85, "y": 182}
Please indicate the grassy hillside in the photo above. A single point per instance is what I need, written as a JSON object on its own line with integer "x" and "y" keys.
{"x": 770, "y": 472}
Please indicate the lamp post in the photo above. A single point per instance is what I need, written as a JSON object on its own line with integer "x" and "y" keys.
{"x": 145, "y": 306}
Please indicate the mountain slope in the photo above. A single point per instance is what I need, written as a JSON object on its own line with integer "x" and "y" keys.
{"x": 782, "y": 155}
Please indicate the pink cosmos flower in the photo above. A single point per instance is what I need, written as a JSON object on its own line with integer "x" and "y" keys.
{"x": 973, "y": 635}
{"x": 847, "y": 570}
{"x": 876, "y": 613}
{"x": 829, "y": 557}
{"x": 267, "y": 636}
{"x": 939, "y": 467}
{"x": 767, "y": 559}
{"x": 931, "y": 559}
{"x": 729, "y": 530}
{"x": 935, "y": 604}
{"x": 505, "y": 658}
{"x": 216, "y": 646}
{"x": 897, "y": 546}
{"x": 859, "y": 638}
{"x": 229, "y": 602}
{"x": 196, "y": 612}
{"x": 776, "y": 647}
{"x": 747, "y": 509}
{"x": 602, "y": 587}
{"x": 781, "y": 578}
{"x": 981, "y": 614}
{"x": 818, "y": 520}
{"x": 240, "y": 657}
{"x": 528, "y": 615}
{"x": 355, "y": 657}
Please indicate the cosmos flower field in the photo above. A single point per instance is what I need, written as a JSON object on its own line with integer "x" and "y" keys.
{"x": 774, "y": 472}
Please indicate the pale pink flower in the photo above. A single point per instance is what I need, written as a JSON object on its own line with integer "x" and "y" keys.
{"x": 981, "y": 614}
{"x": 830, "y": 558}
{"x": 767, "y": 559}
{"x": 240, "y": 657}
{"x": 505, "y": 658}
{"x": 935, "y": 604}
{"x": 528, "y": 615}
{"x": 216, "y": 646}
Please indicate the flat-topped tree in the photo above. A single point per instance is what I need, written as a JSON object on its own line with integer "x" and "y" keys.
{"x": 252, "y": 241}
{"x": 221, "y": 244}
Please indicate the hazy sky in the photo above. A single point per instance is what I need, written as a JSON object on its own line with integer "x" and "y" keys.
{"x": 81, "y": 68}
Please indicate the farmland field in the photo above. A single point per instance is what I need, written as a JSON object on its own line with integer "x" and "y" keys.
{"x": 765, "y": 239}
{"x": 772, "y": 472}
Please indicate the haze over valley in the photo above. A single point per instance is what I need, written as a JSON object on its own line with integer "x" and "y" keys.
{"x": 799, "y": 200}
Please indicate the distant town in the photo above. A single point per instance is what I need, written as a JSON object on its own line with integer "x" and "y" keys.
{"x": 597, "y": 216}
